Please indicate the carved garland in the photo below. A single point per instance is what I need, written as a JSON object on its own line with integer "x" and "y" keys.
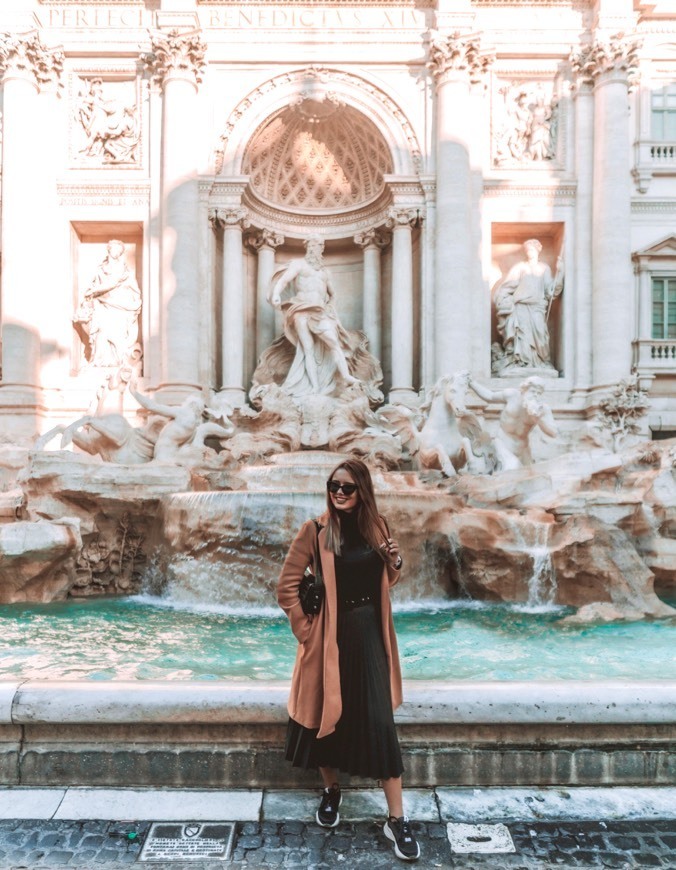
{"x": 325, "y": 75}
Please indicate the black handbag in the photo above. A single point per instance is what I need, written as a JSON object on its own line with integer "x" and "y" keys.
{"x": 311, "y": 589}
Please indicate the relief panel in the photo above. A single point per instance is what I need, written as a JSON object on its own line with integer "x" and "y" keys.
{"x": 526, "y": 122}
{"x": 105, "y": 126}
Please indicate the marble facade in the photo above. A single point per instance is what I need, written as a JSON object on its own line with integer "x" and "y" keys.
{"x": 424, "y": 141}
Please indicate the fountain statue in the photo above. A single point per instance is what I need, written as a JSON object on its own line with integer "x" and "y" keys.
{"x": 204, "y": 482}
{"x": 324, "y": 369}
{"x": 523, "y": 303}
{"x": 181, "y": 438}
{"x": 524, "y": 411}
{"x": 312, "y": 326}
{"x": 108, "y": 317}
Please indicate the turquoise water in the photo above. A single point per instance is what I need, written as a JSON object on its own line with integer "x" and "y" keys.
{"x": 152, "y": 639}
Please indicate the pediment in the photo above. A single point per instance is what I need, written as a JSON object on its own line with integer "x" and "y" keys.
{"x": 666, "y": 247}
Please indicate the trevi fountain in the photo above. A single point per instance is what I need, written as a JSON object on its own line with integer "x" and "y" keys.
{"x": 242, "y": 241}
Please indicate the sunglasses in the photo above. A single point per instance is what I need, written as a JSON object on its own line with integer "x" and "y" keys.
{"x": 348, "y": 488}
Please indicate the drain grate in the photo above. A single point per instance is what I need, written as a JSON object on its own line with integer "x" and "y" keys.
{"x": 479, "y": 838}
{"x": 188, "y": 841}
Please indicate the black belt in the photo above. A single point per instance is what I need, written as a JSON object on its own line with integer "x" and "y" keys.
{"x": 353, "y": 603}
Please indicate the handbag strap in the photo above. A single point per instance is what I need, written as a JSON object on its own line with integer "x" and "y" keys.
{"x": 319, "y": 576}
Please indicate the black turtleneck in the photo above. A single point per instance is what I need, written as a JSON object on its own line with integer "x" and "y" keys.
{"x": 358, "y": 568}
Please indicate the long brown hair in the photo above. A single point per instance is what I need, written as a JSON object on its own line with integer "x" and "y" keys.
{"x": 371, "y": 525}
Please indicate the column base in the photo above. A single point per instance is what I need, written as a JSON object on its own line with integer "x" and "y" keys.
{"x": 406, "y": 396}
{"x": 176, "y": 394}
{"x": 233, "y": 396}
{"x": 21, "y": 410}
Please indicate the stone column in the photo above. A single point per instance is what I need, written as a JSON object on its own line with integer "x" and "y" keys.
{"x": 610, "y": 65}
{"x": 372, "y": 243}
{"x": 264, "y": 242}
{"x": 645, "y": 301}
{"x": 177, "y": 62}
{"x": 584, "y": 157}
{"x": 455, "y": 62}
{"x": 27, "y": 66}
{"x": 401, "y": 222}
{"x": 233, "y": 222}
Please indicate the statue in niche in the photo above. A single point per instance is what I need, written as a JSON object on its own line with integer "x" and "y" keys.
{"x": 110, "y": 127}
{"x": 528, "y": 132}
{"x": 523, "y": 303}
{"x": 316, "y": 356}
{"x": 312, "y": 326}
{"x": 108, "y": 317}
{"x": 524, "y": 411}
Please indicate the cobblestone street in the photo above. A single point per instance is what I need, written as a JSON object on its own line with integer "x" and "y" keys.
{"x": 92, "y": 844}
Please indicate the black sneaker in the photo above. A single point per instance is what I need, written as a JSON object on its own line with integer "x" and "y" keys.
{"x": 327, "y": 815}
{"x": 405, "y": 844}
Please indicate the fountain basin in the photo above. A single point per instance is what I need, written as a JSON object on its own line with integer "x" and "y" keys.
{"x": 196, "y": 730}
{"x": 145, "y": 638}
{"x": 223, "y": 735}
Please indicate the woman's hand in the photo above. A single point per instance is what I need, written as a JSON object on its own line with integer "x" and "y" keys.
{"x": 390, "y": 552}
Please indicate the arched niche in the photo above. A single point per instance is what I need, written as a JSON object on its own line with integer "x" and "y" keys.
{"x": 320, "y": 85}
{"x": 323, "y": 152}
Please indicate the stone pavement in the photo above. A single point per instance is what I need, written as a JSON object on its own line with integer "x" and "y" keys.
{"x": 294, "y": 841}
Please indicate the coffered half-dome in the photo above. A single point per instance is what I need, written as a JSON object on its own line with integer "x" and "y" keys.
{"x": 318, "y": 154}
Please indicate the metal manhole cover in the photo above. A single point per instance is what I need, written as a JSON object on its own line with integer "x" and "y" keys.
{"x": 479, "y": 838}
{"x": 188, "y": 841}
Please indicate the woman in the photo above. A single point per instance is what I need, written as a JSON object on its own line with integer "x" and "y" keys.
{"x": 347, "y": 680}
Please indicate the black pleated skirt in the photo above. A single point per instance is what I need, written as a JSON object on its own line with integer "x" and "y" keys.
{"x": 365, "y": 740}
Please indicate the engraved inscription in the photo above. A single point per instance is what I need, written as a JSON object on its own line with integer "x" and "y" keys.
{"x": 188, "y": 841}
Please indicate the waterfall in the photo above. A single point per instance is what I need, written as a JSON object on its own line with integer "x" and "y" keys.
{"x": 542, "y": 581}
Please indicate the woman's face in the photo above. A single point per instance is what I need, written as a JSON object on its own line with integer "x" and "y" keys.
{"x": 341, "y": 500}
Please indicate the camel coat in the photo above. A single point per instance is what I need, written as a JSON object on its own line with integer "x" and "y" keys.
{"x": 315, "y": 699}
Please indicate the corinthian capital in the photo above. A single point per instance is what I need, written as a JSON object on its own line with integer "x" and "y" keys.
{"x": 399, "y": 216}
{"x": 453, "y": 54}
{"x": 265, "y": 238}
{"x": 176, "y": 54}
{"x": 373, "y": 238}
{"x": 616, "y": 55}
{"x": 224, "y": 218}
{"x": 27, "y": 55}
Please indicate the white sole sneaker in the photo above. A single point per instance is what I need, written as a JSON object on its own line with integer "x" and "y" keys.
{"x": 334, "y": 824}
{"x": 390, "y": 836}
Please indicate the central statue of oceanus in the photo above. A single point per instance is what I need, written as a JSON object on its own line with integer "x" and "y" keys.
{"x": 316, "y": 355}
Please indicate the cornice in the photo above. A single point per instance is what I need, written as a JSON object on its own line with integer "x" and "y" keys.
{"x": 654, "y": 207}
{"x": 526, "y": 191}
{"x": 411, "y": 4}
{"x": 91, "y": 2}
{"x": 295, "y": 225}
{"x": 581, "y": 5}
{"x": 92, "y": 194}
